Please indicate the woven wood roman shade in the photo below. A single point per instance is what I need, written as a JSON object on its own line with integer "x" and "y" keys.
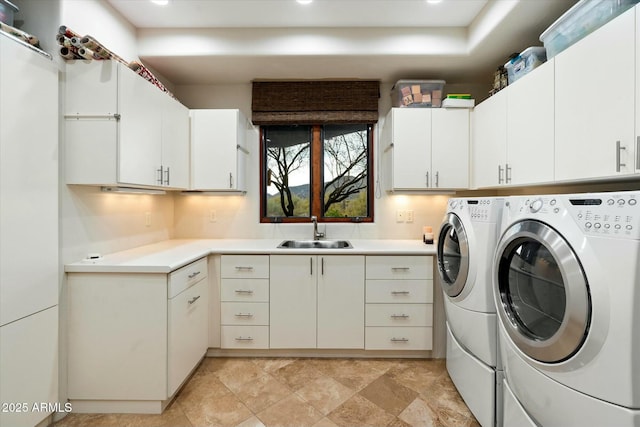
{"x": 315, "y": 102}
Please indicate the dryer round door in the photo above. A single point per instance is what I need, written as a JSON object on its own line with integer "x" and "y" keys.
{"x": 541, "y": 292}
{"x": 453, "y": 255}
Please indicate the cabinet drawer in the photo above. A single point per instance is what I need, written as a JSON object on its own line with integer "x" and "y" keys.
{"x": 188, "y": 333}
{"x": 399, "y": 315}
{"x": 186, "y": 276}
{"x": 255, "y": 337}
{"x": 245, "y": 313}
{"x": 399, "y": 291}
{"x": 245, "y": 290}
{"x": 245, "y": 266}
{"x": 398, "y": 338}
{"x": 399, "y": 267}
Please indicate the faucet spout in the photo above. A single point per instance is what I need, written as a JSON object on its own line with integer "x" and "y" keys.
{"x": 317, "y": 235}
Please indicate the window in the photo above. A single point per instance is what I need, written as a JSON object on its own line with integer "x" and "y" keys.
{"x": 321, "y": 170}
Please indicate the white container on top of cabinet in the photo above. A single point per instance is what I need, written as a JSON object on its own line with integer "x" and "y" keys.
{"x": 122, "y": 130}
{"x": 218, "y": 150}
{"x": 426, "y": 149}
{"x": 134, "y": 337}
{"x": 399, "y": 303}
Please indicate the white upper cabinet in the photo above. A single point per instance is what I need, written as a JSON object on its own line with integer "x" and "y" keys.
{"x": 530, "y": 132}
{"x": 218, "y": 150}
{"x": 426, "y": 149}
{"x": 489, "y": 147}
{"x": 121, "y": 129}
{"x": 595, "y": 103}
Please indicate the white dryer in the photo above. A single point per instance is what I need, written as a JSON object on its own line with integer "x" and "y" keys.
{"x": 567, "y": 290}
{"x": 466, "y": 244}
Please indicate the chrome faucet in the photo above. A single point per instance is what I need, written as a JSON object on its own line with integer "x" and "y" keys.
{"x": 317, "y": 235}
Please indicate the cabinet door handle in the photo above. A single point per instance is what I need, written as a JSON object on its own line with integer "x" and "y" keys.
{"x": 244, "y": 315}
{"x": 166, "y": 172}
{"x": 399, "y": 316}
{"x": 507, "y": 173}
{"x": 311, "y": 266}
{"x": 159, "y": 179}
{"x": 619, "y": 148}
{"x": 399, "y": 339}
{"x": 242, "y": 291}
{"x": 244, "y": 338}
{"x": 399, "y": 292}
{"x": 437, "y": 179}
{"x": 322, "y": 266}
{"x": 194, "y": 274}
{"x": 194, "y": 299}
{"x": 638, "y": 152}
{"x": 244, "y": 268}
{"x": 400, "y": 268}
{"x": 230, "y": 180}
{"x": 500, "y": 179}
{"x": 427, "y": 179}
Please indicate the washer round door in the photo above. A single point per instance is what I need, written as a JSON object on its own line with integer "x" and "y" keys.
{"x": 541, "y": 292}
{"x": 453, "y": 255}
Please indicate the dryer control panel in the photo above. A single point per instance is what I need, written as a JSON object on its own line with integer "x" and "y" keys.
{"x": 600, "y": 214}
{"x": 483, "y": 209}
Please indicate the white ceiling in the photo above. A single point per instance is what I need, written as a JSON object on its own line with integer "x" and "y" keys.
{"x": 235, "y": 41}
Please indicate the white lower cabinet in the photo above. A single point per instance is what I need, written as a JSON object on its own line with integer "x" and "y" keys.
{"x": 317, "y": 301}
{"x": 134, "y": 337}
{"x": 399, "y": 303}
{"x": 244, "y": 308}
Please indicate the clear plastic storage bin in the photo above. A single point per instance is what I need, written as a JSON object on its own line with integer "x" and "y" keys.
{"x": 529, "y": 59}
{"x": 417, "y": 93}
{"x": 7, "y": 10}
{"x": 583, "y": 18}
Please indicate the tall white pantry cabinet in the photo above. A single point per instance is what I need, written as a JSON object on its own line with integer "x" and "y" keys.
{"x": 29, "y": 234}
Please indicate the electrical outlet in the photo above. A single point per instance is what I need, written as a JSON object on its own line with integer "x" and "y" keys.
{"x": 213, "y": 215}
{"x": 147, "y": 219}
{"x": 400, "y": 215}
{"x": 409, "y": 217}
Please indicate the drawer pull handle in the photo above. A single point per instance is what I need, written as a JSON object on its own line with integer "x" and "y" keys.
{"x": 241, "y": 268}
{"x": 399, "y": 339}
{"x": 244, "y": 315}
{"x": 194, "y": 299}
{"x": 242, "y": 291}
{"x": 400, "y": 269}
{"x": 399, "y": 316}
{"x": 194, "y": 274}
{"x": 400, "y": 292}
{"x": 244, "y": 338}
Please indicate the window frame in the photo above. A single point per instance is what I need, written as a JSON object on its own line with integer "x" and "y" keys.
{"x": 316, "y": 183}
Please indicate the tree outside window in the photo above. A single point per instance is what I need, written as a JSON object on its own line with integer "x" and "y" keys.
{"x": 323, "y": 170}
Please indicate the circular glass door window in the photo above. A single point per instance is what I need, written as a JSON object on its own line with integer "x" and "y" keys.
{"x": 453, "y": 255}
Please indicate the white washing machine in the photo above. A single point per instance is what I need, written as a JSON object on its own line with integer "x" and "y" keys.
{"x": 466, "y": 244}
{"x": 567, "y": 290}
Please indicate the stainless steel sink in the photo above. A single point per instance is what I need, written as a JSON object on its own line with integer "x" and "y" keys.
{"x": 315, "y": 244}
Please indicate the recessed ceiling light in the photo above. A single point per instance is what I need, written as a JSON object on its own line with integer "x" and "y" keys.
{"x": 304, "y": 1}
{"x": 160, "y": 2}
{"x": 434, "y": 1}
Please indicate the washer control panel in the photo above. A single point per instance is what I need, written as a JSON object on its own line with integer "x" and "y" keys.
{"x": 601, "y": 214}
{"x": 483, "y": 209}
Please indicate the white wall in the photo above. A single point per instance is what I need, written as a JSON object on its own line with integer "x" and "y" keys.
{"x": 238, "y": 216}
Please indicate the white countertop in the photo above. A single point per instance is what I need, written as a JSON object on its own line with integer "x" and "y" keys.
{"x": 169, "y": 255}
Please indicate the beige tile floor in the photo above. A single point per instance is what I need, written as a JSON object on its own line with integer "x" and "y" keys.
{"x": 273, "y": 392}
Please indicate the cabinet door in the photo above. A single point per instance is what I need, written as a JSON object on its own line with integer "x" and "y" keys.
{"x": 293, "y": 301}
{"x": 450, "y": 148}
{"x": 530, "y": 128}
{"x": 595, "y": 96}
{"x": 188, "y": 333}
{"x": 29, "y": 368}
{"x": 139, "y": 143}
{"x": 341, "y": 302}
{"x": 411, "y": 138}
{"x": 489, "y": 141}
{"x": 28, "y": 182}
{"x": 175, "y": 144}
{"x": 214, "y": 149}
